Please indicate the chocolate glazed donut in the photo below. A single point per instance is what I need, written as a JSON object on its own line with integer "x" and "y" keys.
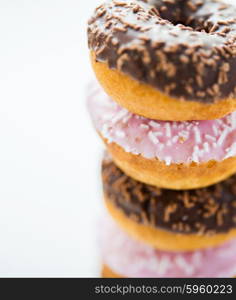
{"x": 167, "y": 219}
{"x": 184, "y": 50}
{"x": 202, "y": 211}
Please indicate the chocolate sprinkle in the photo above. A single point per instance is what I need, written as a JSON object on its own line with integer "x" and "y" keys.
{"x": 203, "y": 211}
{"x": 179, "y": 47}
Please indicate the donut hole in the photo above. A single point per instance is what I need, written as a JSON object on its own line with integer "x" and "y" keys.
{"x": 179, "y": 13}
{"x": 197, "y": 24}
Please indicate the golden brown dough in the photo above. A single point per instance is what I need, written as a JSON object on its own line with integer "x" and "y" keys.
{"x": 174, "y": 176}
{"x": 144, "y": 100}
{"x": 165, "y": 240}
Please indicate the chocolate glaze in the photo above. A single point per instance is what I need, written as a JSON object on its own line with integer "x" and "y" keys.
{"x": 184, "y": 48}
{"x": 203, "y": 211}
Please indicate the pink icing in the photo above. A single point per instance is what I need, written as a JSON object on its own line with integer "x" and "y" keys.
{"x": 130, "y": 258}
{"x": 171, "y": 142}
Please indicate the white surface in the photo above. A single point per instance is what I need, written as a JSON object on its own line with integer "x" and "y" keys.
{"x": 49, "y": 153}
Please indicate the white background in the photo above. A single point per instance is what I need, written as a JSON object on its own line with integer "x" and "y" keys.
{"x": 50, "y": 194}
{"x": 49, "y": 152}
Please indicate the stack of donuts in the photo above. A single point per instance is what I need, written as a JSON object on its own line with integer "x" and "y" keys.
{"x": 166, "y": 111}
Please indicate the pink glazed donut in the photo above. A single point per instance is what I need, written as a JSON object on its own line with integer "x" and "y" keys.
{"x": 174, "y": 155}
{"x": 124, "y": 257}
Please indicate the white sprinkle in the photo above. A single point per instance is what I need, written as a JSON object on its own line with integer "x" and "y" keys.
{"x": 105, "y": 129}
{"x": 175, "y": 139}
{"x": 215, "y": 130}
{"x": 189, "y": 126}
{"x": 233, "y": 120}
{"x": 184, "y": 134}
{"x": 153, "y": 138}
{"x": 161, "y": 146}
{"x": 197, "y": 135}
{"x": 169, "y": 143}
{"x": 196, "y": 152}
{"x": 163, "y": 265}
{"x": 154, "y": 124}
{"x": 159, "y": 133}
{"x": 120, "y": 115}
{"x": 195, "y": 157}
{"x": 210, "y": 137}
{"x": 231, "y": 151}
{"x": 168, "y": 160}
{"x": 168, "y": 129}
{"x": 144, "y": 126}
{"x": 196, "y": 149}
{"x": 120, "y": 133}
{"x": 126, "y": 118}
{"x": 225, "y": 126}
{"x": 135, "y": 152}
{"x": 197, "y": 258}
{"x": 201, "y": 152}
{"x": 127, "y": 148}
{"x": 206, "y": 147}
{"x": 214, "y": 145}
{"x": 219, "y": 121}
{"x": 153, "y": 262}
{"x": 183, "y": 264}
{"x": 222, "y": 137}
